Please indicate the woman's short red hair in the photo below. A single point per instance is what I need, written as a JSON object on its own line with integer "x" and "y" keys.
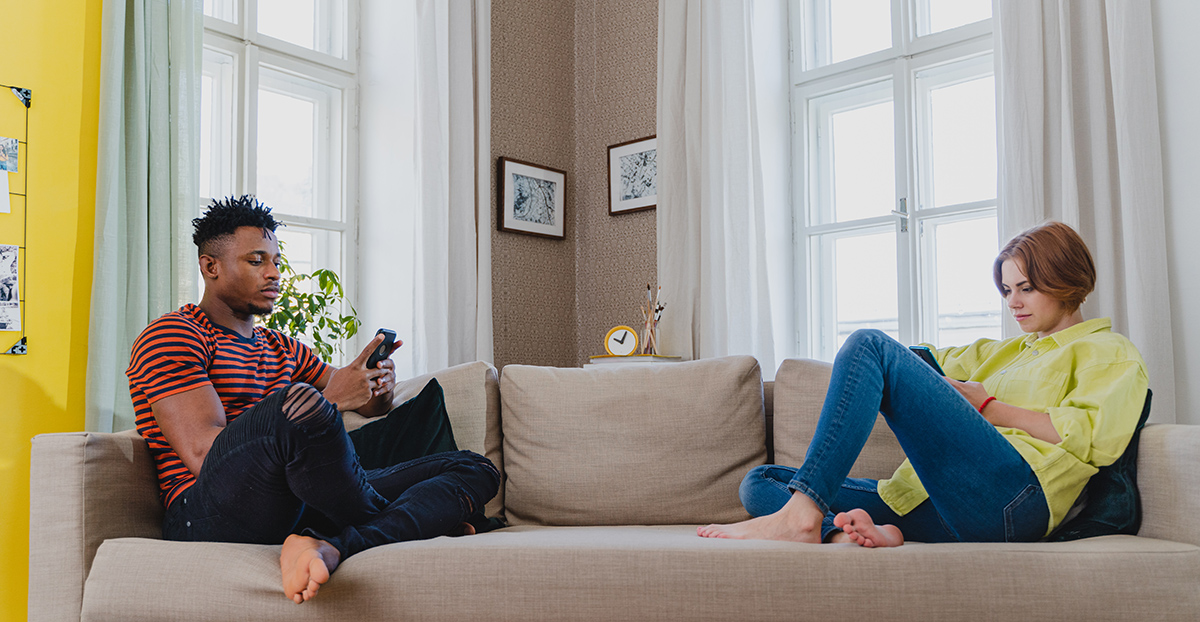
{"x": 1054, "y": 259}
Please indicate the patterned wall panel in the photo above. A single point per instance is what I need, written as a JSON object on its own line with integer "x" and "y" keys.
{"x": 533, "y": 88}
{"x": 616, "y": 65}
{"x": 568, "y": 80}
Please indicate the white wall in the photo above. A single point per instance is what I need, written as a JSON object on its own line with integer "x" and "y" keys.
{"x": 1177, "y": 56}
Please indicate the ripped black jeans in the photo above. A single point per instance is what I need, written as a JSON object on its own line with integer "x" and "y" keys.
{"x": 287, "y": 465}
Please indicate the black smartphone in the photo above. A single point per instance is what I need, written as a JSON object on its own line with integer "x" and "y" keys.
{"x": 384, "y": 349}
{"x": 927, "y": 356}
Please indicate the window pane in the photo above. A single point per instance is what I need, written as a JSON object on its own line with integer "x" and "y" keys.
{"x": 314, "y": 24}
{"x": 856, "y": 176}
{"x": 942, "y": 15}
{"x": 968, "y": 304}
{"x": 299, "y": 146}
{"x": 839, "y": 30}
{"x": 859, "y": 27}
{"x": 221, "y": 9}
{"x": 864, "y": 284}
{"x": 217, "y": 125}
{"x": 962, "y": 119}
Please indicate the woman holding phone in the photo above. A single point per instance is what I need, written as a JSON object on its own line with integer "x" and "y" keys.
{"x": 998, "y": 450}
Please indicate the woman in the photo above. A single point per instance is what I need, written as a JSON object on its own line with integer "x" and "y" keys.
{"x": 999, "y": 456}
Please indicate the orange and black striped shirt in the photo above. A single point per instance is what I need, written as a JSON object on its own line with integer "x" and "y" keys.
{"x": 184, "y": 350}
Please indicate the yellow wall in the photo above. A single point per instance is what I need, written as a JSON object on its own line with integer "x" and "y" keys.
{"x": 52, "y": 47}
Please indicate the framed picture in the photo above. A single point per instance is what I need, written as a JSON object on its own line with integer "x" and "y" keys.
{"x": 531, "y": 199}
{"x": 633, "y": 176}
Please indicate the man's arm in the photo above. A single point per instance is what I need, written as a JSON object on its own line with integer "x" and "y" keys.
{"x": 191, "y": 421}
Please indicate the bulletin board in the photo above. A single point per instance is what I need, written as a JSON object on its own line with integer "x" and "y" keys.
{"x": 14, "y": 223}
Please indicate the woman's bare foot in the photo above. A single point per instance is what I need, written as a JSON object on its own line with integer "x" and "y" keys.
{"x": 862, "y": 530}
{"x": 797, "y": 521}
{"x": 306, "y": 564}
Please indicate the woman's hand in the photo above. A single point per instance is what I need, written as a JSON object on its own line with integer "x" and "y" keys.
{"x": 973, "y": 391}
{"x": 997, "y": 413}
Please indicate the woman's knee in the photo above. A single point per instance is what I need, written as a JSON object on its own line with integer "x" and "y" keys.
{"x": 762, "y": 490}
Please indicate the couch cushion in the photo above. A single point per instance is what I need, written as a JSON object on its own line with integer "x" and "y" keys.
{"x": 649, "y": 445}
{"x": 800, "y": 387}
{"x": 656, "y": 573}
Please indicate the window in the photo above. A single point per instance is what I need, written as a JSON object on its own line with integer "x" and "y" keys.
{"x": 277, "y": 120}
{"x": 894, "y": 137}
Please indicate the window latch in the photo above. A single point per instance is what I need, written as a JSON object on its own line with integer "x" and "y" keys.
{"x": 903, "y": 214}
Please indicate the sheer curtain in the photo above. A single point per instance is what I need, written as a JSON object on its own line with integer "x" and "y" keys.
{"x": 146, "y": 187}
{"x": 724, "y": 222}
{"x": 1079, "y": 143}
{"x": 425, "y": 217}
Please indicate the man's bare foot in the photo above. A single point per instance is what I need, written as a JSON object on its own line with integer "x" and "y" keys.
{"x": 862, "y": 530}
{"x": 463, "y": 529}
{"x": 306, "y": 564}
{"x": 797, "y": 521}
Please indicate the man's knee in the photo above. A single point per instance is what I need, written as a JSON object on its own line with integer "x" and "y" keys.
{"x": 306, "y": 406}
{"x": 483, "y": 476}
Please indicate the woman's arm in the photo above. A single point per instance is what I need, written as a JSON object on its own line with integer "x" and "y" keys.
{"x": 997, "y": 413}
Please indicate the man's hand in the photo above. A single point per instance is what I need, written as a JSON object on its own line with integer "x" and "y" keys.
{"x": 354, "y": 387}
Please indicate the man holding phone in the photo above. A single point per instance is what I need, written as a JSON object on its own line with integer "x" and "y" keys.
{"x": 245, "y": 427}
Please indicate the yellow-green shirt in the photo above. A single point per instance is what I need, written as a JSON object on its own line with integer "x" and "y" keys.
{"x": 1091, "y": 381}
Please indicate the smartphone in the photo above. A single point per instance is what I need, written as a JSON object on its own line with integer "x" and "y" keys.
{"x": 927, "y": 356}
{"x": 384, "y": 349}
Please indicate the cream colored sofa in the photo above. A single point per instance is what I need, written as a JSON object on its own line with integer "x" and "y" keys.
{"x": 608, "y": 472}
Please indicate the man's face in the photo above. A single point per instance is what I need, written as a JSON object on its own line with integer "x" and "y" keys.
{"x": 246, "y": 271}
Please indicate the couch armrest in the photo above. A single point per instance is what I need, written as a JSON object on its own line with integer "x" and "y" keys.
{"x": 84, "y": 488}
{"x": 1168, "y": 475}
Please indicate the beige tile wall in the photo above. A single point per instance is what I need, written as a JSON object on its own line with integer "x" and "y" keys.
{"x": 568, "y": 80}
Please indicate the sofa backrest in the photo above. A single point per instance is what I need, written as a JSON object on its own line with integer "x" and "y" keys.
{"x": 800, "y": 387}
{"x": 657, "y": 444}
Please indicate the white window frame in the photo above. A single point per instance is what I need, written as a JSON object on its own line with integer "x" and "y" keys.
{"x": 250, "y": 49}
{"x": 916, "y": 281}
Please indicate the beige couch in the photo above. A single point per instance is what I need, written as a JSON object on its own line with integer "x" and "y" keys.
{"x": 607, "y": 474}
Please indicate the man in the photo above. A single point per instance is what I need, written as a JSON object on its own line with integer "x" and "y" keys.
{"x": 244, "y": 424}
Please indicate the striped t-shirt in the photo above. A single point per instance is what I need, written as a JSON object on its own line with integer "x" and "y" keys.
{"x": 183, "y": 350}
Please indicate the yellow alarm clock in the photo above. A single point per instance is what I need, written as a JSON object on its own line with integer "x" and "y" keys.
{"x": 621, "y": 341}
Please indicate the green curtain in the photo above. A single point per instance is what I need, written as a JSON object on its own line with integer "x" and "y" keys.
{"x": 147, "y": 182}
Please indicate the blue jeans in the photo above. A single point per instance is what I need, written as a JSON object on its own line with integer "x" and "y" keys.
{"x": 286, "y": 465}
{"x": 980, "y": 488}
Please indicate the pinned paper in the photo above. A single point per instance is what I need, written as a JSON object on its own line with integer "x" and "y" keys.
{"x": 4, "y": 206}
{"x": 8, "y": 154}
{"x": 10, "y": 297}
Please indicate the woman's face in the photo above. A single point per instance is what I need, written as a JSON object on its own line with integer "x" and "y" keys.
{"x": 1034, "y": 311}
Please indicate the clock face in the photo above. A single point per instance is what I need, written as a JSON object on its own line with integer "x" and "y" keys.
{"x": 621, "y": 341}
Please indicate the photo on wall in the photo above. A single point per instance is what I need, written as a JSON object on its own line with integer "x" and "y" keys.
{"x": 633, "y": 176}
{"x": 531, "y": 199}
{"x": 10, "y": 297}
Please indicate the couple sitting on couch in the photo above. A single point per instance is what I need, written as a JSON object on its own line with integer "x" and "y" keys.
{"x": 245, "y": 430}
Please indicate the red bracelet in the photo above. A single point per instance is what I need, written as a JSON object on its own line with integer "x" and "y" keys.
{"x": 985, "y": 403}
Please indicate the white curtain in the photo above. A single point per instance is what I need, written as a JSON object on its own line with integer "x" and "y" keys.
{"x": 425, "y": 244}
{"x": 724, "y": 222}
{"x": 1079, "y": 142}
{"x": 146, "y": 187}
